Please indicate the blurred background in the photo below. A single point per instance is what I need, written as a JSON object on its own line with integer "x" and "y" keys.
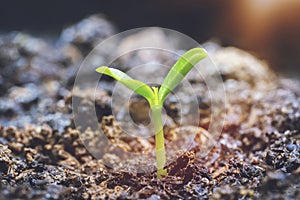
{"x": 268, "y": 28}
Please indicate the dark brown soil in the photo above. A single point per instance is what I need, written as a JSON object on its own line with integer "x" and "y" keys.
{"x": 257, "y": 155}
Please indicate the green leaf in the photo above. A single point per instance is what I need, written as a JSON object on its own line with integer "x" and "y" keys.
{"x": 135, "y": 85}
{"x": 183, "y": 65}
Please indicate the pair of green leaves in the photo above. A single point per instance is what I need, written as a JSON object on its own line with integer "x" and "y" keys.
{"x": 183, "y": 65}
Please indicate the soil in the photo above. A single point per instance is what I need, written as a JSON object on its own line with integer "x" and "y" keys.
{"x": 257, "y": 155}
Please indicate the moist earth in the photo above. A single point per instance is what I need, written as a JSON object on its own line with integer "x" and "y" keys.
{"x": 42, "y": 155}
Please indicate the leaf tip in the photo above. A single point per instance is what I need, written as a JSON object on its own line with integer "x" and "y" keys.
{"x": 101, "y": 69}
{"x": 201, "y": 52}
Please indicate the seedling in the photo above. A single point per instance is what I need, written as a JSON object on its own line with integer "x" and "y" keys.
{"x": 156, "y": 96}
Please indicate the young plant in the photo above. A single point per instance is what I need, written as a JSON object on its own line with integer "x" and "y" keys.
{"x": 156, "y": 96}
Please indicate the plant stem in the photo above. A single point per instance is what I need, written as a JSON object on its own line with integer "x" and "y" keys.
{"x": 159, "y": 141}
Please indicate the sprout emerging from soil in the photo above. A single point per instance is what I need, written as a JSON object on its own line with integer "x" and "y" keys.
{"x": 156, "y": 96}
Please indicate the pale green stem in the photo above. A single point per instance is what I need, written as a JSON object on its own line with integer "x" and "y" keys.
{"x": 159, "y": 136}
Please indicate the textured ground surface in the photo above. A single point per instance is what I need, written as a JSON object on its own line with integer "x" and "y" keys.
{"x": 41, "y": 156}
